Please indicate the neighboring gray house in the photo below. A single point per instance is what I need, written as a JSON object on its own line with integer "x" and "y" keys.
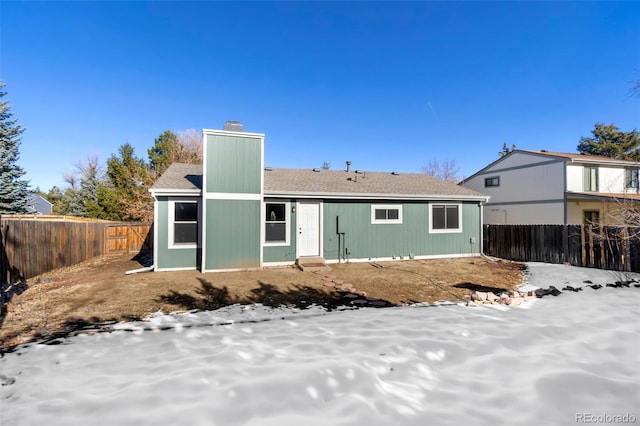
{"x": 37, "y": 204}
{"x": 541, "y": 187}
{"x": 233, "y": 213}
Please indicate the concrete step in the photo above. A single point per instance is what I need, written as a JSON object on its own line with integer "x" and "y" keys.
{"x": 311, "y": 263}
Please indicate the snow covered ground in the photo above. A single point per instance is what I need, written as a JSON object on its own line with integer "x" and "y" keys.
{"x": 562, "y": 360}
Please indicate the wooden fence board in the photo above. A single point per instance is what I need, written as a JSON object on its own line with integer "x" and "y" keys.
{"x": 30, "y": 247}
{"x": 604, "y": 247}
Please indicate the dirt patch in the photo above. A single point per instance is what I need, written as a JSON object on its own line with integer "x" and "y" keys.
{"x": 99, "y": 291}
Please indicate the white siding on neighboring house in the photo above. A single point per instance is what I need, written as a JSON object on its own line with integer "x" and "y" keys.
{"x": 548, "y": 176}
{"x": 546, "y": 188}
{"x": 515, "y": 200}
{"x": 524, "y": 214}
{"x": 610, "y": 179}
{"x": 575, "y": 178}
{"x": 518, "y": 159}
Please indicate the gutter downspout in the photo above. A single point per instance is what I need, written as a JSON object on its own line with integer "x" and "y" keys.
{"x": 155, "y": 230}
{"x": 145, "y": 269}
{"x": 481, "y": 243}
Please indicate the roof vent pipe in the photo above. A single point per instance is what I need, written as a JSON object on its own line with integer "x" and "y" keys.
{"x": 348, "y": 166}
{"x": 233, "y": 126}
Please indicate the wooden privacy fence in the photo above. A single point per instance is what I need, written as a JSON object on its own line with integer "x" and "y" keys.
{"x": 128, "y": 237}
{"x": 604, "y": 247}
{"x": 30, "y": 246}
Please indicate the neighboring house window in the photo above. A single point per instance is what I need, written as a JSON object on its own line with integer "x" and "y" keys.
{"x": 445, "y": 218}
{"x": 183, "y": 228}
{"x": 386, "y": 214}
{"x": 276, "y": 224}
{"x": 492, "y": 181}
{"x": 631, "y": 179}
{"x": 591, "y": 217}
{"x": 591, "y": 179}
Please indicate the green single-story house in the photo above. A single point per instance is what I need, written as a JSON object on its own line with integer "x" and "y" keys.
{"x": 232, "y": 213}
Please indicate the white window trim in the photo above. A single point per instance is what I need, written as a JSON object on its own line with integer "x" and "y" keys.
{"x": 445, "y": 231}
{"x": 375, "y": 207}
{"x": 172, "y": 221}
{"x": 287, "y": 218}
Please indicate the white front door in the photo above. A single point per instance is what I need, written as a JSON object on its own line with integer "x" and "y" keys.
{"x": 308, "y": 229}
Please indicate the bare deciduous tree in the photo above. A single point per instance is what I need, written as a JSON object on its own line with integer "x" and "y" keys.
{"x": 446, "y": 170}
{"x": 189, "y": 147}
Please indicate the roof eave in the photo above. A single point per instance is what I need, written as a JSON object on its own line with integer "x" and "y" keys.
{"x": 174, "y": 192}
{"x": 602, "y": 196}
{"x": 368, "y": 196}
{"x": 607, "y": 162}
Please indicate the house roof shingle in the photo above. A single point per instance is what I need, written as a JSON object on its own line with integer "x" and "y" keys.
{"x": 188, "y": 177}
{"x": 181, "y": 177}
{"x": 301, "y": 181}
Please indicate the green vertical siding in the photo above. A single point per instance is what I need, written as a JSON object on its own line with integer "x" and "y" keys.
{"x": 283, "y": 253}
{"x": 171, "y": 258}
{"x": 365, "y": 240}
{"x": 233, "y": 164}
{"x": 232, "y": 234}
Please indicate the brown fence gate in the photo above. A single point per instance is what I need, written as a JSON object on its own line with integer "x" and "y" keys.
{"x": 128, "y": 237}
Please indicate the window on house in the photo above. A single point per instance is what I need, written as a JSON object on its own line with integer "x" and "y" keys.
{"x": 386, "y": 214}
{"x": 445, "y": 218}
{"x": 185, "y": 223}
{"x": 591, "y": 217}
{"x": 492, "y": 181}
{"x": 631, "y": 179}
{"x": 591, "y": 179}
{"x": 276, "y": 229}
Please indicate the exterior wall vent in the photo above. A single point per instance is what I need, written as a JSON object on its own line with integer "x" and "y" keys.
{"x": 233, "y": 126}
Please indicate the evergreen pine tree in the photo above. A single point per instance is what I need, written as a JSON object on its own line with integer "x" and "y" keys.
{"x": 162, "y": 152}
{"x": 14, "y": 191}
{"x": 609, "y": 141}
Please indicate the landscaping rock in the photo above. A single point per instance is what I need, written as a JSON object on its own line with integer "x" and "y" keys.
{"x": 551, "y": 291}
{"x": 516, "y": 301}
{"x": 491, "y": 297}
{"x": 479, "y": 295}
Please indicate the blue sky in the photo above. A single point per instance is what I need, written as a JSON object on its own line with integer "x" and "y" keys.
{"x": 386, "y": 85}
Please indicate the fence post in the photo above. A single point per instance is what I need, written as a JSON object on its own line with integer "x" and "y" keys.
{"x": 4, "y": 261}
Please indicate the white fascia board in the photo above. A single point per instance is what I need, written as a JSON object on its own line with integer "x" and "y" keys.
{"x": 606, "y": 162}
{"x": 176, "y": 192}
{"x": 230, "y": 133}
{"x": 358, "y": 196}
